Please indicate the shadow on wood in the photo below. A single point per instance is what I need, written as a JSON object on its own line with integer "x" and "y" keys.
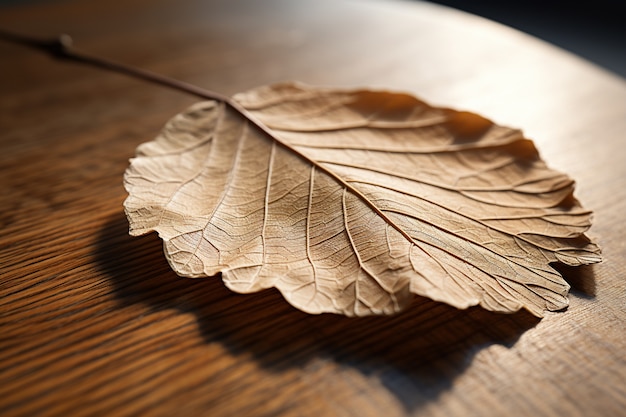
{"x": 416, "y": 354}
{"x": 581, "y": 278}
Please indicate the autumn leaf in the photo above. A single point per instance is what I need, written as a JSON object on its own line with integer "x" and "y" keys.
{"x": 351, "y": 202}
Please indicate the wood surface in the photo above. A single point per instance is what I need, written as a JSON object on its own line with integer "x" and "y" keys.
{"x": 94, "y": 322}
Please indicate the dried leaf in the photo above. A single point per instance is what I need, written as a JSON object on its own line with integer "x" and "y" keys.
{"x": 352, "y": 201}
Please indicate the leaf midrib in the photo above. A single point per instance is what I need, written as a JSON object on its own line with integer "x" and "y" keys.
{"x": 318, "y": 166}
{"x": 271, "y": 135}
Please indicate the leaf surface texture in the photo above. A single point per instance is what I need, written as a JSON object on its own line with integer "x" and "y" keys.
{"x": 351, "y": 202}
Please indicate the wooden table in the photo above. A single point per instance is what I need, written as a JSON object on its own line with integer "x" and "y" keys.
{"x": 93, "y": 322}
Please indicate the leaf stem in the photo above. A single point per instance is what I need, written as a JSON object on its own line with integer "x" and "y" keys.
{"x": 62, "y": 48}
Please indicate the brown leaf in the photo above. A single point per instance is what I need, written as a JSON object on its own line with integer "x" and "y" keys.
{"x": 351, "y": 201}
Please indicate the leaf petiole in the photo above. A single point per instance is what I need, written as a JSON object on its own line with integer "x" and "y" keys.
{"x": 62, "y": 48}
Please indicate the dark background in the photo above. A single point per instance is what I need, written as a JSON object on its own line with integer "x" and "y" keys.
{"x": 593, "y": 29}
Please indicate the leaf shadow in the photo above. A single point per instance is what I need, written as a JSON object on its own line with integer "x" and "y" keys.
{"x": 416, "y": 355}
{"x": 582, "y": 279}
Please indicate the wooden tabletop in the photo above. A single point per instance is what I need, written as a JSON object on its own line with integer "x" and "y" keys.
{"x": 94, "y": 322}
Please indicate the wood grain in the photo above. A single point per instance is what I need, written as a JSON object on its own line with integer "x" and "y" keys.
{"x": 93, "y": 322}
